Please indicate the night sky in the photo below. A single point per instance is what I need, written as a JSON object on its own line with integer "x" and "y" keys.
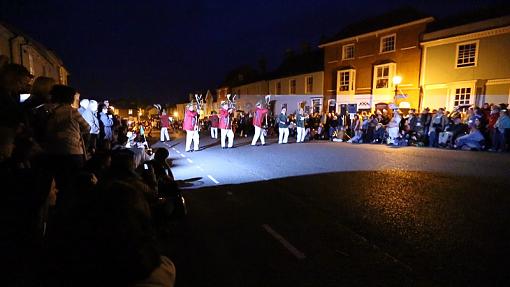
{"x": 163, "y": 50}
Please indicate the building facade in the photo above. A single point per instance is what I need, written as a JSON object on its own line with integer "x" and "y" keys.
{"x": 303, "y": 90}
{"x": 23, "y": 50}
{"x": 362, "y": 63}
{"x": 467, "y": 64}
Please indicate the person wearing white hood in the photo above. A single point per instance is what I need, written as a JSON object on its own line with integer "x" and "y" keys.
{"x": 90, "y": 115}
{"x": 83, "y": 106}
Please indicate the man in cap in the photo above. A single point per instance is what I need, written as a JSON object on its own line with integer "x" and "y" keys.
{"x": 165, "y": 123}
{"x": 190, "y": 125}
{"x": 283, "y": 127}
{"x": 258, "y": 119}
{"x": 300, "y": 122}
{"x": 226, "y": 125}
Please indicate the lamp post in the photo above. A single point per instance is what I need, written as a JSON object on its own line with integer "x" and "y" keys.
{"x": 396, "y": 81}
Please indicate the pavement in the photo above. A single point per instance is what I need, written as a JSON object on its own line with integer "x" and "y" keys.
{"x": 339, "y": 214}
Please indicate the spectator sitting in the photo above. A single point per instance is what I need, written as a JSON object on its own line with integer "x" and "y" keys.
{"x": 471, "y": 141}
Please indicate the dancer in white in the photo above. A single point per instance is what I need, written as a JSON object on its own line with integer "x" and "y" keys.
{"x": 190, "y": 125}
{"x": 258, "y": 118}
{"x": 283, "y": 127}
{"x": 226, "y": 113}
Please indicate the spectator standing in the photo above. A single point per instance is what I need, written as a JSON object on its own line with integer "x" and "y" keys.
{"x": 90, "y": 115}
{"x": 215, "y": 123}
{"x": 64, "y": 140}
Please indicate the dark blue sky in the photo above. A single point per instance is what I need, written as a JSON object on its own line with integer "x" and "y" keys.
{"x": 164, "y": 49}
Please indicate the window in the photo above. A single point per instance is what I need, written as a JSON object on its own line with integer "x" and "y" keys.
{"x": 292, "y": 86}
{"x": 309, "y": 85}
{"x": 278, "y": 88}
{"x": 466, "y": 55}
{"x": 388, "y": 43}
{"x": 345, "y": 81}
{"x": 382, "y": 78}
{"x": 31, "y": 63}
{"x": 348, "y": 52}
{"x": 462, "y": 97}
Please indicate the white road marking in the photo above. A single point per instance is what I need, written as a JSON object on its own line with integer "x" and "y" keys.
{"x": 177, "y": 151}
{"x": 213, "y": 179}
{"x": 174, "y": 149}
{"x": 189, "y": 160}
{"x": 183, "y": 155}
{"x": 298, "y": 254}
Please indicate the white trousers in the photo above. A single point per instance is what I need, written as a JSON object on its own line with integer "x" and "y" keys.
{"x": 164, "y": 134}
{"x": 258, "y": 133}
{"x": 392, "y": 134}
{"x": 214, "y": 133}
{"x": 192, "y": 136}
{"x": 229, "y": 134}
{"x": 283, "y": 135}
{"x": 301, "y": 133}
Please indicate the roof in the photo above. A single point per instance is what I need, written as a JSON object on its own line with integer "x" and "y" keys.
{"x": 304, "y": 63}
{"x": 384, "y": 21}
{"x": 485, "y": 13}
{"x": 45, "y": 52}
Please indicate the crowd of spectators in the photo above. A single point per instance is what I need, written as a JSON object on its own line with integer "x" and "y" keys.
{"x": 467, "y": 128}
{"x": 82, "y": 195}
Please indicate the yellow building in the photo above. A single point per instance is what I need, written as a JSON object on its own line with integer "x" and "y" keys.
{"x": 22, "y": 49}
{"x": 467, "y": 64}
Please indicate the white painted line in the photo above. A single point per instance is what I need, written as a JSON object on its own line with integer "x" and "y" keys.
{"x": 174, "y": 148}
{"x": 177, "y": 151}
{"x": 189, "y": 160}
{"x": 298, "y": 254}
{"x": 183, "y": 155}
{"x": 213, "y": 179}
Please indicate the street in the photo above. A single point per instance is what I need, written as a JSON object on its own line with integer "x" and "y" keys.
{"x": 338, "y": 214}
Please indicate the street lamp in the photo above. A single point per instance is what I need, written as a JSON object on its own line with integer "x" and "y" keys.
{"x": 396, "y": 81}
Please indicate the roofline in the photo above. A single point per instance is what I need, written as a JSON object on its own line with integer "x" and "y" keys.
{"x": 412, "y": 23}
{"x": 466, "y": 36}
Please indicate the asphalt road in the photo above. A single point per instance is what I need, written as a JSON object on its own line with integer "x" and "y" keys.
{"x": 338, "y": 214}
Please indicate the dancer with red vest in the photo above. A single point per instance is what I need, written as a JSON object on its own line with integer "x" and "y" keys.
{"x": 226, "y": 125}
{"x": 190, "y": 125}
{"x": 258, "y": 119}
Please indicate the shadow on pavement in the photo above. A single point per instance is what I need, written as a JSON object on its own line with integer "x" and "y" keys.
{"x": 393, "y": 228}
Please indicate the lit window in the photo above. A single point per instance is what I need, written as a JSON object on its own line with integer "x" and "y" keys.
{"x": 348, "y": 52}
{"x": 466, "y": 55}
{"x": 388, "y": 43}
{"x": 278, "y": 88}
{"x": 292, "y": 86}
{"x": 309, "y": 84}
{"x": 462, "y": 97}
{"x": 382, "y": 77}
{"x": 345, "y": 81}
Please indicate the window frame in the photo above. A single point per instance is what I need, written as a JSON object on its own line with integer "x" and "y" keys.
{"x": 470, "y": 100}
{"x": 308, "y": 86}
{"x": 477, "y": 48}
{"x": 394, "y": 35}
{"x": 351, "y": 84}
{"x": 278, "y": 88}
{"x": 291, "y": 86}
{"x": 344, "y": 51}
{"x": 392, "y": 68}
